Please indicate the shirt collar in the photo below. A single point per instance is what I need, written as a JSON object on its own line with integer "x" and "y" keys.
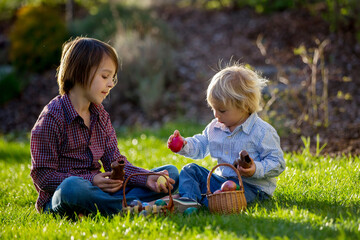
{"x": 249, "y": 123}
{"x": 99, "y": 112}
{"x": 70, "y": 112}
{"x": 246, "y": 126}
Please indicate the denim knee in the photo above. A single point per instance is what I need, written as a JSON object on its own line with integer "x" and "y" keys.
{"x": 72, "y": 189}
{"x": 190, "y": 169}
{"x": 173, "y": 172}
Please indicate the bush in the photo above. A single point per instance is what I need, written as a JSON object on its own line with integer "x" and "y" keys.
{"x": 11, "y": 84}
{"x": 102, "y": 24}
{"x": 144, "y": 45}
{"x": 340, "y": 14}
{"x": 148, "y": 67}
{"x": 36, "y": 38}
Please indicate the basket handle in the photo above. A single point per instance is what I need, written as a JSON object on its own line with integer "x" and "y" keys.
{"x": 170, "y": 205}
{"x": 228, "y": 165}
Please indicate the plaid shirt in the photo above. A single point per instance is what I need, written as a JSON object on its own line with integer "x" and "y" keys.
{"x": 63, "y": 146}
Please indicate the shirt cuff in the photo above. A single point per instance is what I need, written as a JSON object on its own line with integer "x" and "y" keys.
{"x": 184, "y": 150}
{"x": 90, "y": 177}
{"x": 139, "y": 180}
{"x": 259, "y": 172}
{"x": 142, "y": 179}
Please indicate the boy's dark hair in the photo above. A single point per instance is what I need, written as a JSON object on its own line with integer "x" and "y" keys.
{"x": 79, "y": 61}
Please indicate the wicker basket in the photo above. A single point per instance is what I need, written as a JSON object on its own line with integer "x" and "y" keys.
{"x": 226, "y": 202}
{"x": 170, "y": 205}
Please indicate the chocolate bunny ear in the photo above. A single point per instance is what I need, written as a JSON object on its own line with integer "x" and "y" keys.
{"x": 118, "y": 170}
{"x": 244, "y": 160}
{"x": 236, "y": 163}
{"x": 245, "y": 156}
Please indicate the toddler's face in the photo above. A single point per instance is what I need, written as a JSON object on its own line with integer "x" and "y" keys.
{"x": 103, "y": 81}
{"x": 229, "y": 115}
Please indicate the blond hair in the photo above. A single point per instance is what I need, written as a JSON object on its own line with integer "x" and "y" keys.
{"x": 238, "y": 86}
{"x": 80, "y": 57}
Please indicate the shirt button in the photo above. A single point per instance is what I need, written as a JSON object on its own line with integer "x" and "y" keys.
{"x": 226, "y": 152}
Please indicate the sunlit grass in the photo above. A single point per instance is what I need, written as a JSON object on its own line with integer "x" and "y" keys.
{"x": 316, "y": 198}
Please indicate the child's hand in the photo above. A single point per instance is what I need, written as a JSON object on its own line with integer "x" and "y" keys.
{"x": 176, "y": 142}
{"x": 247, "y": 172}
{"x": 151, "y": 183}
{"x": 106, "y": 184}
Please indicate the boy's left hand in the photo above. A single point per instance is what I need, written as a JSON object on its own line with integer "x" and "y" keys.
{"x": 247, "y": 172}
{"x": 151, "y": 183}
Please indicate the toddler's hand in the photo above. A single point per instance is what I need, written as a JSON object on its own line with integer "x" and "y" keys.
{"x": 247, "y": 172}
{"x": 176, "y": 142}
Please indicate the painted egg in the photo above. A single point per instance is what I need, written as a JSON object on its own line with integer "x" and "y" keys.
{"x": 160, "y": 202}
{"x": 144, "y": 213}
{"x": 136, "y": 203}
{"x": 190, "y": 211}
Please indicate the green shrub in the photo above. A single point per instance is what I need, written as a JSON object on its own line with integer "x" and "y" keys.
{"x": 11, "y": 84}
{"x": 343, "y": 14}
{"x": 148, "y": 67}
{"x": 259, "y": 5}
{"x": 102, "y": 23}
{"x": 36, "y": 38}
{"x": 99, "y": 25}
{"x": 144, "y": 45}
{"x": 7, "y": 8}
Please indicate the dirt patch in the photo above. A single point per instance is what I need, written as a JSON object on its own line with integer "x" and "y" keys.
{"x": 207, "y": 37}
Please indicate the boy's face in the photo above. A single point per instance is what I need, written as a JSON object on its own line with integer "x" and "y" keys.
{"x": 229, "y": 115}
{"x": 103, "y": 81}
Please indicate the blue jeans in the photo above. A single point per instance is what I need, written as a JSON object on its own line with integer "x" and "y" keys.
{"x": 193, "y": 184}
{"x": 76, "y": 195}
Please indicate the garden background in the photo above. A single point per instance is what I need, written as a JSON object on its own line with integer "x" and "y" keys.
{"x": 308, "y": 49}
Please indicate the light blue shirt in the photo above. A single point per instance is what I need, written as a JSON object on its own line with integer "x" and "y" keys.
{"x": 255, "y": 136}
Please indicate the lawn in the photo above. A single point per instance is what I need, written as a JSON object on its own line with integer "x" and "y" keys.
{"x": 318, "y": 197}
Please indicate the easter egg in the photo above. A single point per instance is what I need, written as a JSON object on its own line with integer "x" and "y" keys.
{"x": 161, "y": 180}
{"x": 144, "y": 213}
{"x": 176, "y": 144}
{"x": 155, "y": 209}
{"x": 228, "y": 186}
{"x": 128, "y": 209}
{"x": 190, "y": 211}
{"x": 136, "y": 203}
{"x": 160, "y": 202}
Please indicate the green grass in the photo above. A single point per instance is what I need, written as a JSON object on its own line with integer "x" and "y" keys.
{"x": 317, "y": 198}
